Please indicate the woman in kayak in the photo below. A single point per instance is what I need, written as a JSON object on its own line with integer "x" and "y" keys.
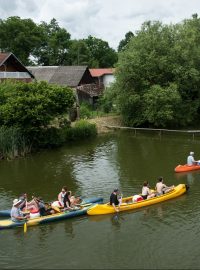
{"x": 70, "y": 202}
{"x": 61, "y": 196}
{"x": 146, "y": 192}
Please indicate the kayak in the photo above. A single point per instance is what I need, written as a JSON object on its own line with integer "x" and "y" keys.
{"x": 186, "y": 168}
{"x": 6, "y": 213}
{"x": 8, "y": 223}
{"x": 128, "y": 204}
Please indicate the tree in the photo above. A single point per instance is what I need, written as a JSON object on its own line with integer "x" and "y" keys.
{"x": 161, "y": 55}
{"x": 78, "y": 53}
{"x": 19, "y": 36}
{"x": 100, "y": 54}
{"x": 54, "y": 46}
{"x": 124, "y": 42}
{"x": 161, "y": 105}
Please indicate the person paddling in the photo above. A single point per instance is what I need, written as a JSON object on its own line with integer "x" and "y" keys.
{"x": 16, "y": 214}
{"x": 161, "y": 188}
{"x": 114, "y": 201}
{"x": 191, "y": 161}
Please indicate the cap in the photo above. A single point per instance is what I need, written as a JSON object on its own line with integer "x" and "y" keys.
{"x": 191, "y": 153}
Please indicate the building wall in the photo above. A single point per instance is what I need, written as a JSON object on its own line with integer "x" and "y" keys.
{"x": 28, "y": 80}
{"x": 108, "y": 79}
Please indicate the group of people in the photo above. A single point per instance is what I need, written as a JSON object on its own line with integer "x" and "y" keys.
{"x": 23, "y": 209}
{"x": 147, "y": 193}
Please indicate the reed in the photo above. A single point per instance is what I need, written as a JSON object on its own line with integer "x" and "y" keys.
{"x": 12, "y": 143}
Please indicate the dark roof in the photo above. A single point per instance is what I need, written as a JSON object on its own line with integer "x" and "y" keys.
{"x": 10, "y": 56}
{"x": 63, "y": 75}
{"x": 4, "y": 57}
{"x": 43, "y": 73}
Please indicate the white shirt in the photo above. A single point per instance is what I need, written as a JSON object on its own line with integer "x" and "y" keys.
{"x": 145, "y": 191}
{"x": 190, "y": 160}
{"x": 159, "y": 187}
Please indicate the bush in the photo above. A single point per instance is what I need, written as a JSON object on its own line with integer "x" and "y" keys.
{"x": 81, "y": 130}
{"x": 85, "y": 111}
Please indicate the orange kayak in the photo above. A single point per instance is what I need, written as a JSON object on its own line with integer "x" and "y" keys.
{"x": 186, "y": 168}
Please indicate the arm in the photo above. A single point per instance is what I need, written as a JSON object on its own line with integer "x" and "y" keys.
{"x": 114, "y": 206}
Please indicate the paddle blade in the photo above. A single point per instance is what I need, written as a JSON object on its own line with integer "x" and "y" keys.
{"x": 25, "y": 227}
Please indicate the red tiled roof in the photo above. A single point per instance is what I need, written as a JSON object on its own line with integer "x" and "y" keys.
{"x": 3, "y": 57}
{"x": 98, "y": 72}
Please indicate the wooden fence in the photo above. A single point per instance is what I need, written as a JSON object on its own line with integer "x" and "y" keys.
{"x": 160, "y": 131}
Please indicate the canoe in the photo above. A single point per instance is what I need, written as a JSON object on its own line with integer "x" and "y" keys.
{"x": 8, "y": 223}
{"x": 6, "y": 213}
{"x": 127, "y": 203}
{"x": 186, "y": 168}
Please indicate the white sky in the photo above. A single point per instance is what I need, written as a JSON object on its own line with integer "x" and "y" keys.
{"x": 109, "y": 20}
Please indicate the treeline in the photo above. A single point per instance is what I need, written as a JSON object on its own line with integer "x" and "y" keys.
{"x": 35, "y": 115}
{"x": 48, "y": 44}
{"x": 158, "y": 76}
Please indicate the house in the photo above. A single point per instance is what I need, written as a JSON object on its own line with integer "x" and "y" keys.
{"x": 11, "y": 68}
{"x": 103, "y": 76}
{"x": 77, "y": 77}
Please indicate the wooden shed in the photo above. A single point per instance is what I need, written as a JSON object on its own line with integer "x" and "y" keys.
{"x": 11, "y": 68}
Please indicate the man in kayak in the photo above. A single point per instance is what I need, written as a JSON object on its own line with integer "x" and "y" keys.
{"x": 114, "y": 201}
{"x": 191, "y": 161}
{"x": 161, "y": 188}
{"x": 16, "y": 214}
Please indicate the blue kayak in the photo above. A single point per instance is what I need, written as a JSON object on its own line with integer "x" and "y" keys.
{"x": 8, "y": 223}
{"x": 6, "y": 213}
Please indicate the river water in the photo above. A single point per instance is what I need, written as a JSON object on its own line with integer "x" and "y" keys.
{"x": 163, "y": 236}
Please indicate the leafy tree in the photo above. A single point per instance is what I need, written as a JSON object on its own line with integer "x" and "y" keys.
{"x": 161, "y": 105}
{"x": 55, "y": 45}
{"x": 78, "y": 53}
{"x": 124, "y": 42}
{"x": 100, "y": 54}
{"x": 161, "y": 55}
{"x": 19, "y": 36}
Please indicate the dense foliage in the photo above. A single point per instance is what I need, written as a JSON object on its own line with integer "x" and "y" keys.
{"x": 31, "y": 106}
{"x": 48, "y": 44}
{"x": 158, "y": 75}
{"x": 34, "y": 115}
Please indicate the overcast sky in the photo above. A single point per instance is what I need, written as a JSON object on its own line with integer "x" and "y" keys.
{"x": 109, "y": 20}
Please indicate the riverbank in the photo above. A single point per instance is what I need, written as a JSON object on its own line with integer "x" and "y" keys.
{"x": 102, "y": 123}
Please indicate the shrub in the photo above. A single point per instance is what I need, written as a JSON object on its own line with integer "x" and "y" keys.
{"x": 85, "y": 111}
{"x": 81, "y": 130}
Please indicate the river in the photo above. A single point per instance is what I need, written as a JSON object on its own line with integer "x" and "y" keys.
{"x": 163, "y": 236}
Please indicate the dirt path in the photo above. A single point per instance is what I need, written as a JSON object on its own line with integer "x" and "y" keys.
{"x": 101, "y": 122}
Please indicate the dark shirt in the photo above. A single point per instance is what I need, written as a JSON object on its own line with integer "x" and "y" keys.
{"x": 66, "y": 199}
{"x": 113, "y": 199}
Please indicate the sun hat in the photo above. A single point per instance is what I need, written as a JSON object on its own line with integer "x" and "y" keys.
{"x": 191, "y": 153}
{"x": 16, "y": 202}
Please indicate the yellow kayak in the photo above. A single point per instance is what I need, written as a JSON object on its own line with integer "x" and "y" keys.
{"x": 128, "y": 204}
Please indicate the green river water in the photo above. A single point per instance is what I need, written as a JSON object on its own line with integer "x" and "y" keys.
{"x": 162, "y": 236}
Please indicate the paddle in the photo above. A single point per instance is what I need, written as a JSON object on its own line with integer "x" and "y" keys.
{"x": 25, "y": 227}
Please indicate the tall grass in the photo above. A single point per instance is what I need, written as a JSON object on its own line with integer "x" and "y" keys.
{"x": 12, "y": 143}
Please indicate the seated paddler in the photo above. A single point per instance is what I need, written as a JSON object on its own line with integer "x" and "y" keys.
{"x": 16, "y": 214}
